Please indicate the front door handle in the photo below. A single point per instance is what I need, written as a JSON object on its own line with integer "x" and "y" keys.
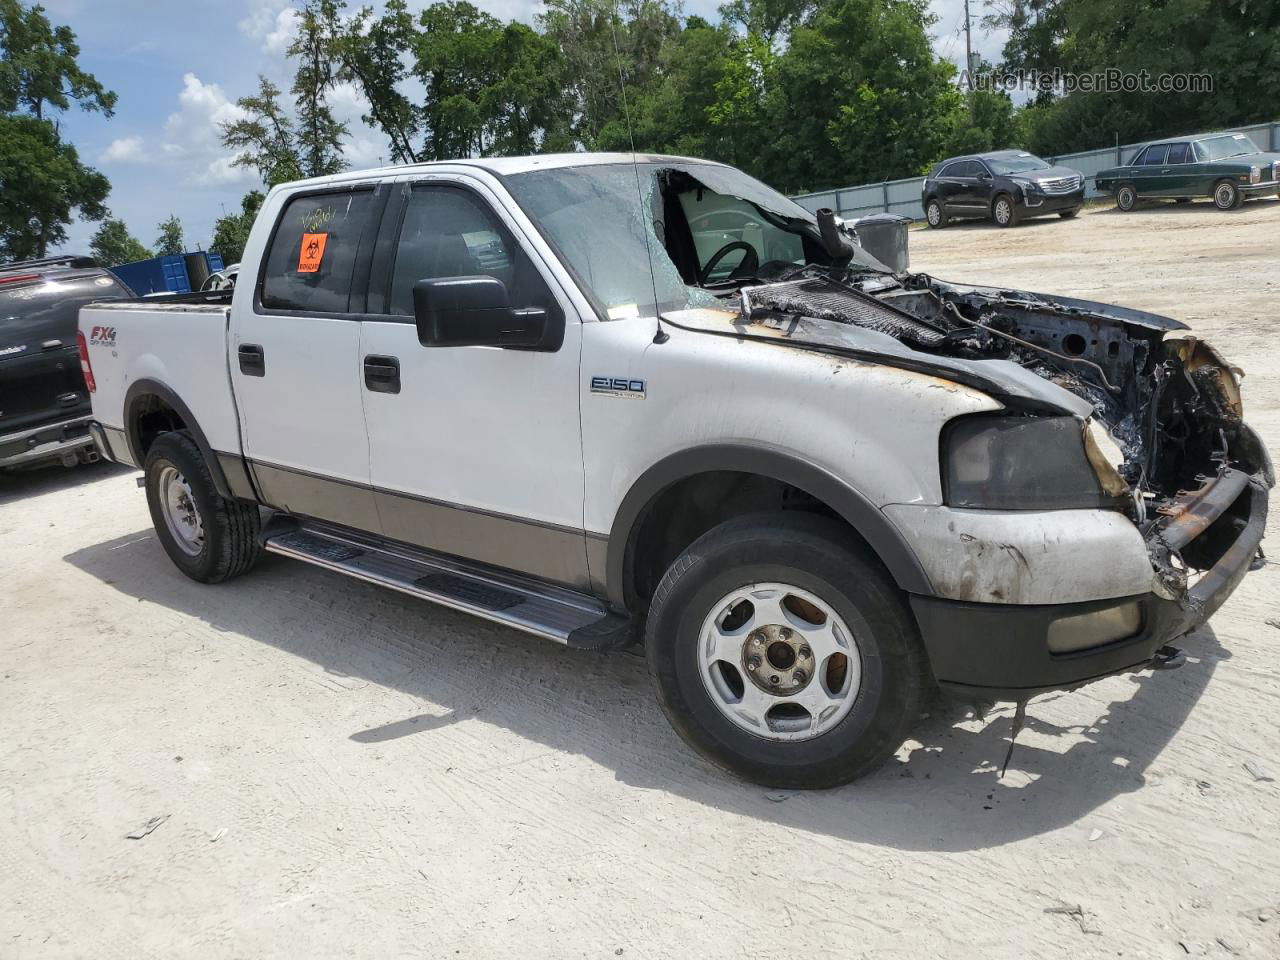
{"x": 382, "y": 374}
{"x": 253, "y": 361}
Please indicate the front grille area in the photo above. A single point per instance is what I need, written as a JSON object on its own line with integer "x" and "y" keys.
{"x": 1061, "y": 185}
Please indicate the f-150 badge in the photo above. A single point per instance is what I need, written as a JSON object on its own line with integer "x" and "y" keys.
{"x": 618, "y": 387}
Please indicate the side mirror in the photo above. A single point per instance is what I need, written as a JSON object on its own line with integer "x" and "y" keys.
{"x": 984, "y": 176}
{"x": 473, "y": 312}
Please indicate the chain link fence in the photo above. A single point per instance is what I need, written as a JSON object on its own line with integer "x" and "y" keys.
{"x": 903, "y": 196}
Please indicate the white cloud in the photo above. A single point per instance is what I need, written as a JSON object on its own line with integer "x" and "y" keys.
{"x": 193, "y": 134}
{"x": 221, "y": 171}
{"x": 124, "y": 150}
{"x": 271, "y": 24}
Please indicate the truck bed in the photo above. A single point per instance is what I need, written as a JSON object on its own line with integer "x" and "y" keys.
{"x": 172, "y": 344}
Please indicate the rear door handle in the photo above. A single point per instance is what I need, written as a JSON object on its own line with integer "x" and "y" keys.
{"x": 382, "y": 374}
{"x": 253, "y": 361}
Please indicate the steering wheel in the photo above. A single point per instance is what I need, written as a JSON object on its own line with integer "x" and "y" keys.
{"x": 750, "y": 261}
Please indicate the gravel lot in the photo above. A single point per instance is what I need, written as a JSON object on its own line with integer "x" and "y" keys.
{"x": 346, "y": 771}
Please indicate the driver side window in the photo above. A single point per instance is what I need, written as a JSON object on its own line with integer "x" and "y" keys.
{"x": 449, "y": 232}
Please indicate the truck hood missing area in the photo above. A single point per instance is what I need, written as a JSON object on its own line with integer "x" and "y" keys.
{"x": 1169, "y": 402}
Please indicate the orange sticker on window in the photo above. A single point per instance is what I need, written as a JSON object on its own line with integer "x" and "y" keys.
{"x": 312, "y": 252}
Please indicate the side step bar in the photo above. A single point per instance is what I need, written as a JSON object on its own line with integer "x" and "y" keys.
{"x": 522, "y": 603}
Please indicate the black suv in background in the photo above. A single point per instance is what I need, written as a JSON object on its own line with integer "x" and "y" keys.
{"x": 44, "y": 406}
{"x": 1005, "y": 185}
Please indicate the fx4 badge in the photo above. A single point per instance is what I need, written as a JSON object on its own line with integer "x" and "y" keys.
{"x": 104, "y": 336}
{"x": 618, "y": 387}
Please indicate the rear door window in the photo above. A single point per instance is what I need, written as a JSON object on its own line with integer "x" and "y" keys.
{"x": 1154, "y": 156}
{"x": 311, "y": 261}
{"x": 1179, "y": 153}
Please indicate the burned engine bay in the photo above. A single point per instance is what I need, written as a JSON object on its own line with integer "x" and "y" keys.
{"x": 1170, "y": 404}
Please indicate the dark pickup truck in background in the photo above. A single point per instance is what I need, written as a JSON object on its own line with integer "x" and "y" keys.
{"x": 44, "y": 406}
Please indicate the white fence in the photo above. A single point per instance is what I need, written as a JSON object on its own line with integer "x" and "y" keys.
{"x": 903, "y": 196}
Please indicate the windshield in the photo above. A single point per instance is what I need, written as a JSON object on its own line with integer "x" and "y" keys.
{"x": 650, "y": 237}
{"x": 1230, "y": 145}
{"x": 1022, "y": 163}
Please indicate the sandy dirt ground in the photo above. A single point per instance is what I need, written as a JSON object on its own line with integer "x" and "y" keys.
{"x": 347, "y": 772}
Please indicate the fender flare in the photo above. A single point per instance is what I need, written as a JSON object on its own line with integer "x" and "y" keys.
{"x": 781, "y": 465}
{"x": 148, "y": 387}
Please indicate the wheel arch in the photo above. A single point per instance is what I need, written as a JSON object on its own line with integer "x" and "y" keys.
{"x": 750, "y": 462}
{"x": 151, "y": 407}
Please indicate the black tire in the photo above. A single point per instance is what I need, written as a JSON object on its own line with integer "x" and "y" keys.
{"x": 816, "y": 555}
{"x": 1126, "y": 197}
{"x": 935, "y": 214}
{"x": 1226, "y": 195}
{"x": 1069, "y": 214}
{"x": 1004, "y": 212}
{"x": 230, "y": 527}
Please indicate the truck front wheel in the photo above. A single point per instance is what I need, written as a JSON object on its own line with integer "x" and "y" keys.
{"x": 784, "y": 654}
{"x": 208, "y": 537}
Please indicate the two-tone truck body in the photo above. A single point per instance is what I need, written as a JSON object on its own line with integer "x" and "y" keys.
{"x": 595, "y": 397}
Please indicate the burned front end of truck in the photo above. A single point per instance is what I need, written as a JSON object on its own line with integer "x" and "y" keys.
{"x": 1098, "y": 493}
{"x": 1119, "y": 445}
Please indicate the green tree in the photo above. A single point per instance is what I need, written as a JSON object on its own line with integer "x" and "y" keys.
{"x": 170, "y": 240}
{"x": 231, "y": 233}
{"x": 1037, "y": 29}
{"x": 612, "y": 52}
{"x": 372, "y": 52}
{"x": 491, "y": 88}
{"x": 770, "y": 20}
{"x": 43, "y": 184}
{"x": 319, "y": 136}
{"x": 38, "y": 68}
{"x": 1226, "y": 39}
{"x": 878, "y": 103}
{"x": 112, "y": 244}
{"x": 265, "y": 139}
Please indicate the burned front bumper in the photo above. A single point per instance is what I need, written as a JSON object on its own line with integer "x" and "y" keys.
{"x": 1001, "y": 651}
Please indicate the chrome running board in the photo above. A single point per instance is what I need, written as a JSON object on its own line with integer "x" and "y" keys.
{"x": 519, "y": 602}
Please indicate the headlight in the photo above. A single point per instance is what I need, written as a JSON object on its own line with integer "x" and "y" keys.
{"x": 1018, "y": 463}
{"x": 1255, "y": 174}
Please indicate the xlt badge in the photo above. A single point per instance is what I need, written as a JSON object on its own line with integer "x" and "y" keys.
{"x": 618, "y": 387}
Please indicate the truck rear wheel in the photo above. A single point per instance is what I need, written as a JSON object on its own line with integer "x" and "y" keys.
{"x": 783, "y": 654}
{"x": 208, "y": 537}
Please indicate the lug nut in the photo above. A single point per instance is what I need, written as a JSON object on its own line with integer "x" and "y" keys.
{"x": 773, "y": 679}
{"x": 806, "y": 652}
{"x": 800, "y": 676}
{"x": 754, "y": 663}
{"x": 757, "y": 641}
{"x": 786, "y": 633}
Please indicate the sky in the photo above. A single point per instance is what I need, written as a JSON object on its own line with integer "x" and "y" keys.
{"x": 178, "y": 67}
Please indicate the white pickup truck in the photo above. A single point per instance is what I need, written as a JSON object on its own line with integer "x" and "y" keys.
{"x": 602, "y": 398}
